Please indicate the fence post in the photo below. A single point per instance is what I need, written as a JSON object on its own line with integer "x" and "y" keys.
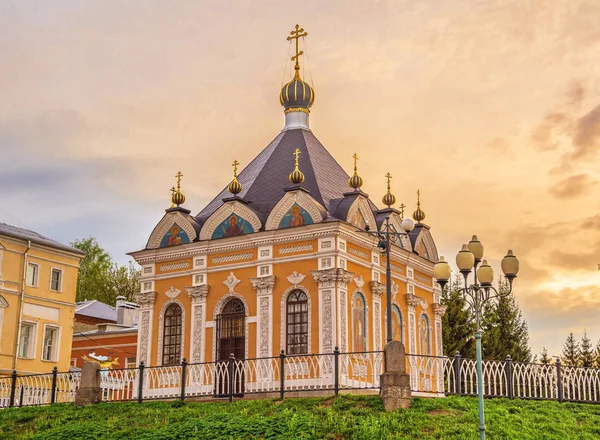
{"x": 141, "y": 382}
{"x": 13, "y": 388}
{"x": 230, "y": 371}
{"x": 457, "y": 378}
{"x": 54, "y": 376}
{"x": 281, "y": 374}
{"x": 509, "y": 379}
{"x": 336, "y": 370}
{"x": 21, "y": 395}
{"x": 183, "y": 374}
{"x": 559, "y": 384}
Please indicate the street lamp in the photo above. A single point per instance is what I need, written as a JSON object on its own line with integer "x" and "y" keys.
{"x": 477, "y": 295}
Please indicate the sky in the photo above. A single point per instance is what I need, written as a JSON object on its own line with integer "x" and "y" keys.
{"x": 490, "y": 108}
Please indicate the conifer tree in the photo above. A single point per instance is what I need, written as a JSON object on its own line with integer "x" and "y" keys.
{"x": 570, "y": 352}
{"x": 586, "y": 352}
{"x": 544, "y": 358}
{"x": 458, "y": 328}
{"x": 597, "y": 355}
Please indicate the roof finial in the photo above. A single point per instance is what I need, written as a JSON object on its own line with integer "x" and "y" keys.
{"x": 419, "y": 214}
{"x": 296, "y": 176}
{"x": 295, "y": 35}
{"x": 402, "y": 206}
{"x": 235, "y": 187}
{"x": 389, "y": 199}
{"x": 355, "y": 181}
{"x": 172, "y": 194}
{"x": 178, "y": 198}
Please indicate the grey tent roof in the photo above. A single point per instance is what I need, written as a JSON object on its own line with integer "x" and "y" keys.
{"x": 96, "y": 309}
{"x": 34, "y": 237}
{"x": 266, "y": 177}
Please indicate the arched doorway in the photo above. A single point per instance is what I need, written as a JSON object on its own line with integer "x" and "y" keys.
{"x": 231, "y": 339}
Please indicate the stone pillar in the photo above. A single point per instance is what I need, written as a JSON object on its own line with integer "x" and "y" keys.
{"x": 412, "y": 302}
{"x": 264, "y": 326}
{"x": 198, "y": 296}
{"x": 89, "y": 388}
{"x": 395, "y": 382}
{"x": 438, "y": 311}
{"x": 332, "y": 286}
{"x": 146, "y": 303}
{"x": 377, "y": 289}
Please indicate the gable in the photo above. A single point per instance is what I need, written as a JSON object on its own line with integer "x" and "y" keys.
{"x": 295, "y": 208}
{"x": 229, "y": 220}
{"x": 165, "y": 234}
{"x": 360, "y": 214}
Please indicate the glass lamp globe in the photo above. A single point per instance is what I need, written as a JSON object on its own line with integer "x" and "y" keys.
{"x": 408, "y": 225}
{"x": 510, "y": 265}
{"x": 485, "y": 274}
{"x": 465, "y": 260}
{"x": 476, "y": 248}
{"x": 441, "y": 271}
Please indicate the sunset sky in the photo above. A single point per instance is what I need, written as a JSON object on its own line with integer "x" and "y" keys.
{"x": 490, "y": 108}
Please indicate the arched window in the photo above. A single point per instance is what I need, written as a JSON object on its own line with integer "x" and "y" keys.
{"x": 397, "y": 324}
{"x": 359, "y": 323}
{"x": 424, "y": 335}
{"x": 172, "y": 335}
{"x": 297, "y": 323}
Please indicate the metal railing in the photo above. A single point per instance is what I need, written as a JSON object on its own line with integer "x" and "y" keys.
{"x": 38, "y": 389}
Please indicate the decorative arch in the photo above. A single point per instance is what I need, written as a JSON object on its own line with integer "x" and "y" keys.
{"x": 360, "y": 334}
{"x": 425, "y": 241}
{"x": 424, "y": 335}
{"x": 360, "y": 214}
{"x": 219, "y": 308}
{"x": 3, "y": 302}
{"x": 283, "y": 315}
{"x": 311, "y": 207}
{"x": 396, "y": 224}
{"x": 397, "y": 323}
{"x": 218, "y": 224}
{"x": 161, "y": 329}
{"x": 166, "y": 224}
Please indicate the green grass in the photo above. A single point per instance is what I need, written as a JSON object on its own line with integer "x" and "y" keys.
{"x": 345, "y": 417}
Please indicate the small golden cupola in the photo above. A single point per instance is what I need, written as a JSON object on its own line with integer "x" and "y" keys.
{"x": 235, "y": 187}
{"x": 177, "y": 197}
{"x": 355, "y": 181}
{"x": 296, "y": 177}
{"x": 388, "y": 199}
{"x": 419, "y": 214}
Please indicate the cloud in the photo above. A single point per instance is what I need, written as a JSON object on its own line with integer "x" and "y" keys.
{"x": 586, "y": 135}
{"x": 592, "y": 222}
{"x": 501, "y": 146}
{"x": 544, "y": 136}
{"x": 576, "y": 260}
{"x": 572, "y": 187}
{"x": 575, "y": 93}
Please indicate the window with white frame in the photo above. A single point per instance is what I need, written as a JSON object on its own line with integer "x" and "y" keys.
{"x": 56, "y": 279}
{"x": 26, "y": 340}
{"x": 33, "y": 271}
{"x": 49, "y": 349}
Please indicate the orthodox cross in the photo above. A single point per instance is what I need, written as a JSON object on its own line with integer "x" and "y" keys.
{"x": 355, "y": 160}
{"x": 296, "y": 155}
{"x": 402, "y": 206}
{"x": 418, "y": 198}
{"x": 389, "y": 177}
{"x": 235, "y": 165}
{"x": 172, "y": 194}
{"x": 179, "y": 176}
{"x": 295, "y": 35}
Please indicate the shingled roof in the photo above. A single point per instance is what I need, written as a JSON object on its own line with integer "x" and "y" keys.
{"x": 34, "y": 237}
{"x": 266, "y": 177}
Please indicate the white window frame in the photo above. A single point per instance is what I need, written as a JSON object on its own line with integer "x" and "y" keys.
{"x": 56, "y": 348}
{"x": 60, "y": 279}
{"x": 37, "y": 275}
{"x": 31, "y": 348}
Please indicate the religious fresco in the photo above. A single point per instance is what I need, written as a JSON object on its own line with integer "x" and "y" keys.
{"x": 175, "y": 236}
{"x": 296, "y": 216}
{"x": 424, "y": 335}
{"x": 397, "y": 324}
{"x": 232, "y": 226}
{"x": 359, "y": 329}
{"x": 358, "y": 219}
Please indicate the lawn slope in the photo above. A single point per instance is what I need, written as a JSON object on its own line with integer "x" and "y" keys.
{"x": 345, "y": 417}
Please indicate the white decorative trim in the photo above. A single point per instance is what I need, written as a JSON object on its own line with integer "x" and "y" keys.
{"x": 231, "y": 281}
{"x": 396, "y": 221}
{"x": 290, "y": 198}
{"x": 359, "y": 281}
{"x": 165, "y": 224}
{"x": 358, "y": 253}
{"x": 361, "y": 293}
{"x": 174, "y": 266}
{"x": 161, "y": 325}
{"x": 295, "y": 278}
{"x": 283, "y": 314}
{"x": 427, "y": 240}
{"x": 264, "y": 329}
{"x": 361, "y": 202}
{"x": 377, "y": 324}
{"x": 232, "y": 258}
{"x": 172, "y": 293}
{"x": 223, "y": 213}
{"x": 264, "y": 253}
{"x": 294, "y": 249}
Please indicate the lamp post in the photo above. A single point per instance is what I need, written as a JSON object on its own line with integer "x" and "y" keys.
{"x": 477, "y": 295}
{"x": 386, "y": 236}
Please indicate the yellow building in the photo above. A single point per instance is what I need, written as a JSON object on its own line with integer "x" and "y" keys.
{"x": 280, "y": 260}
{"x": 38, "y": 280}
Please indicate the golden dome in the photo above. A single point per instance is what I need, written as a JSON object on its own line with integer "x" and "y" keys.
{"x": 296, "y": 177}
{"x": 235, "y": 187}
{"x": 419, "y": 214}
{"x": 388, "y": 199}
{"x": 355, "y": 181}
{"x": 177, "y": 198}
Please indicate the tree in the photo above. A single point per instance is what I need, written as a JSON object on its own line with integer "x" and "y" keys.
{"x": 597, "y": 363}
{"x": 586, "y": 352}
{"x": 457, "y": 323}
{"x": 544, "y": 358}
{"x": 505, "y": 329}
{"x": 102, "y": 279}
{"x": 570, "y": 352}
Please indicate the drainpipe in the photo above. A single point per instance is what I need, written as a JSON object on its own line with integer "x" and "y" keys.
{"x": 21, "y": 295}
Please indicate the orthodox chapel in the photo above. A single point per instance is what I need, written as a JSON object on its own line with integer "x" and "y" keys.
{"x": 281, "y": 259}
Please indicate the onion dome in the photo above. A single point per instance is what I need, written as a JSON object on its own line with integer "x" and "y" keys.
{"x": 297, "y": 95}
{"x": 355, "y": 181}
{"x": 388, "y": 199}
{"x": 296, "y": 177}
{"x": 419, "y": 214}
{"x": 235, "y": 187}
{"x": 178, "y": 198}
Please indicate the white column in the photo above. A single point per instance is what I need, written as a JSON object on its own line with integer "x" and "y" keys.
{"x": 377, "y": 290}
{"x": 439, "y": 311}
{"x": 146, "y": 303}
{"x": 264, "y": 305}
{"x": 412, "y": 302}
{"x": 198, "y": 296}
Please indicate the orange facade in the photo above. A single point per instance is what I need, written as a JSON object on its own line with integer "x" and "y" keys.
{"x": 119, "y": 344}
